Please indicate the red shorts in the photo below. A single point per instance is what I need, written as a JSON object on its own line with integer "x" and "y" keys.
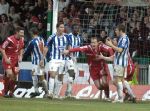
{"x": 130, "y": 72}
{"x": 96, "y": 73}
{"x": 13, "y": 65}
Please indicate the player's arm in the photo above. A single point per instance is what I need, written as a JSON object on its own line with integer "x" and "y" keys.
{"x": 111, "y": 58}
{"x": 21, "y": 51}
{"x": 77, "y": 49}
{"x": 109, "y": 43}
{"x": 47, "y": 45}
{"x": 21, "y": 55}
{"x": 28, "y": 50}
{"x": 3, "y": 47}
{"x": 107, "y": 49}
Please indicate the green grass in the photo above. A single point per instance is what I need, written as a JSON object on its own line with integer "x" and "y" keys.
{"x": 14, "y": 104}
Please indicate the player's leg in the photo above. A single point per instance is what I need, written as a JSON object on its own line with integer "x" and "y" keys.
{"x": 9, "y": 83}
{"x": 59, "y": 81}
{"x": 118, "y": 77}
{"x": 53, "y": 67}
{"x": 35, "y": 81}
{"x": 105, "y": 85}
{"x": 105, "y": 80}
{"x": 71, "y": 71}
{"x": 6, "y": 84}
{"x": 94, "y": 73}
{"x": 129, "y": 91}
{"x": 44, "y": 83}
{"x": 13, "y": 79}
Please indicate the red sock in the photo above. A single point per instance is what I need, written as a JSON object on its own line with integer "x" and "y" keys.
{"x": 106, "y": 90}
{"x": 6, "y": 85}
{"x": 11, "y": 86}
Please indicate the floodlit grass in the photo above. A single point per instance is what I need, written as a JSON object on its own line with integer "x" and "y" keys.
{"x": 14, "y": 104}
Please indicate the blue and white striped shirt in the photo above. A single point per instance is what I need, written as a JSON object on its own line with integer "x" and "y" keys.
{"x": 122, "y": 58}
{"x": 75, "y": 42}
{"x": 35, "y": 48}
{"x": 57, "y": 46}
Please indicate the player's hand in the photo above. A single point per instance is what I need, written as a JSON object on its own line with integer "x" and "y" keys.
{"x": 8, "y": 61}
{"x": 42, "y": 64}
{"x": 66, "y": 52}
{"x": 20, "y": 59}
{"x": 99, "y": 56}
{"x": 109, "y": 42}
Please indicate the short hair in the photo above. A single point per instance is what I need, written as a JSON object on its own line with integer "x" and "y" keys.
{"x": 94, "y": 37}
{"x": 18, "y": 28}
{"x": 58, "y": 24}
{"x": 121, "y": 28}
{"x": 34, "y": 30}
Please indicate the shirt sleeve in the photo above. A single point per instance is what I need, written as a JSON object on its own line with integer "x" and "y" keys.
{"x": 123, "y": 43}
{"x": 107, "y": 49}
{"x": 5, "y": 44}
{"x": 29, "y": 49}
{"x": 49, "y": 41}
{"x": 79, "y": 49}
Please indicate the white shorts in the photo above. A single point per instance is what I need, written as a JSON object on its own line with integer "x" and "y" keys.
{"x": 37, "y": 70}
{"x": 119, "y": 71}
{"x": 70, "y": 65}
{"x": 57, "y": 65}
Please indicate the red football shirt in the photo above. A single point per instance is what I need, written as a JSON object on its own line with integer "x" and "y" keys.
{"x": 12, "y": 46}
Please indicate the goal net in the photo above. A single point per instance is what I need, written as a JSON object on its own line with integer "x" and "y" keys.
{"x": 98, "y": 17}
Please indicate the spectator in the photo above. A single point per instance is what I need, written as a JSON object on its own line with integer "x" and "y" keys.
{"x": 62, "y": 4}
{"x": 6, "y": 27}
{"x": 15, "y": 16}
{"x": 4, "y": 7}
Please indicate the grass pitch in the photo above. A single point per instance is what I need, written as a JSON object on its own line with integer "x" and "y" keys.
{"x": 14, "y": 104}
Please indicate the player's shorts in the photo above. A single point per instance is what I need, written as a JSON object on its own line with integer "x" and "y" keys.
{"x": 57, "y": 65}
{"x": 95, "y": 73}
{"x": 14, "y": 65}
{"x": 119, "y": 71}
{"x": 37, "y": 70}
{"x": 70, "y": 65}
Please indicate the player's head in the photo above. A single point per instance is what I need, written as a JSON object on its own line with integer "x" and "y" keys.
{"x": 19, "y": 32}
{"x": 60, "y": 27}
{"x": 94, "y": 42}
{"x": 34, "y": 31}
{"x": 75, "y": 28}
{"x": 120, "y": 29}
{"x": 103, "y": 33}
{"x": 115, "y": 41}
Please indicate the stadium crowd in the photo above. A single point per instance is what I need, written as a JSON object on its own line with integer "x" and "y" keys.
{"x": 93, "y": 17}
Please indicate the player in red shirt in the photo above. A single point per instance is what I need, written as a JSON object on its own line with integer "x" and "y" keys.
{"x": 12, "y": 49}
{"x": 97, "y": 68}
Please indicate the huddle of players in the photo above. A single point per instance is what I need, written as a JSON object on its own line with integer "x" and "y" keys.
{"x": 63, "y": 51}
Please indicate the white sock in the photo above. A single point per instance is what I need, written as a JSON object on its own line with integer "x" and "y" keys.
{"x": 127, "y": 86}
{"x": 58, "y": 85}
{"x": 35, "y": 83}
{"x": 51, "y": 84}
{"x": 120, "y": 90}
{"x": 69, "y": 88}
{"x": 44, "y": 84}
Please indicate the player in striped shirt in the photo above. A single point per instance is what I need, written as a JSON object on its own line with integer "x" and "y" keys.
{"x": 120, "y": 59}
{"x": 57, "y": 43}
{"x": 75, "y": 41}
{"x": 36, "y": 50}
{"x": 127, "y": 77}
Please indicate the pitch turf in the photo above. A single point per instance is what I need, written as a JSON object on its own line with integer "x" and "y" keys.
{"x": 14, "y": 104}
